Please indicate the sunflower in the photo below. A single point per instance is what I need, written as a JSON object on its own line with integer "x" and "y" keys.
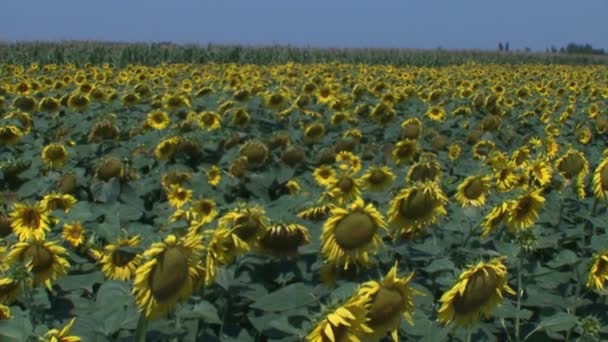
{"x": 391, "y": 300}
{"x": 411, "y": 128}
{"x": 57, "y": 201}
{"x": 178, "y": 196}
{"x": 348, "y": 161}
{"x": 524, "y": 211}
{"x": 572, "y": 164}
{"x": 377, "y": 178}
{"x": 167, "y": 147}
{"x": 158, "y": 119}
{"x": 415, "y": 207}
{"x": 55, "y": 335}
{"x": 435, "y": 113}
{"x": 223, "y": 248}
{"x": 54, "y": 155}
{"x": 9, "y": 290}
{"x": 5, "y": 312}
{"x": 599, "y": 272}
{"x": 345, "y": 188}
{"x": 477, "y": 292}
{"x": 282, "y": 240}
{"x": 346, "y": 323}
{"x": 506, "y": 178}
{"x": 175, "y": 177}
{"x": 293, "y": 186}
{"x": 73, "y": 233}
{"x": 78, "y": 101}
{"x": 10, "y": 134}
{"x": 120, "y": 260}
{"x": 351, "y": 234}
{"x": 248, "y": 223}
{"x": 214, "y": 175}
{"x": 491, "y": 221}
{"x": 103, "y": 130}
{"x": 210, "y": 121}
{"x": 168, "y": 275}
{"x": 256, "y": 153}
{"x": 30, "y": 221}
{"x": 540, "y": 171}
{"x": 46, "y": 260}
{"x": 472, "y": 191}
{"x": 405, "y": 151}
{"x": 482, "y": 149}
{"x": 241, "y": 118}
{"x": 424, "y": 171}
{"x": 324, "y": 175}
{"x": 203, "y": 210}
{"x": 454, "y": 151}
{"x": 314, "y": 132}
{"x": 600, "y": 180}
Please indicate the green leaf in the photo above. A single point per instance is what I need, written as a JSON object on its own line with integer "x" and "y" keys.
{"x": 564, "y": 258}
{"x": 440, "y": 265}
{"x": 80, "y": 281}
{"x": 203, "y": 310}
{"x": 561, "y": 321}
{"x": 18, "y": 328}
{"x": 287, "y": 298}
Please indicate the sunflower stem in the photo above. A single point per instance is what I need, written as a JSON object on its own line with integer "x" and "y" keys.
{"x": 29, "y": 301}
{"x": 576, "y": 300}
{"x": 140, "y": 332}
{"x": 520, "y": 262}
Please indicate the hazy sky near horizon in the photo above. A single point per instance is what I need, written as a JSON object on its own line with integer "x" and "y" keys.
{"x": 466, "y": 24}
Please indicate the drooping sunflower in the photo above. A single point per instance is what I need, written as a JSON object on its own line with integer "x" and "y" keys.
{"x": 178, "y": 196}
{"x": 109, "y": 167}
{"x": 158, "y": 119}
{"x": 313, "y": 132}
{"x": 324, "y": 175}
{"x": 600, "y": 180}
{"x": 78, "y": 101}
{"x": 416, "y": 207}
{"x": 283, "y": 239}
{"x": 9, "y": 290}
{"x": 5, "y": 312}
{"x": 247, "y": 222}
{"x": 424, "y": 171}
{"x": 121, "y": 259}
{"x": 214, "y": 175}
{"x": 56, "y": 335}
{"x": 10, "y": 134}
{"x": 405, "y": 151}
{"x": 30, "y": 221}
{"x": 377, "y": 178}
{"x": 346, "y": 323}
{"x": 222, "y": 248}
{"x": 351, "y": 234}
{"x": 411, "y": 128}
{"x": 168, "y": 275}
{"x": 256, "y": 153}
{"x": 167, "y": 148}
{"x": 391, "y": 300}
{"x": 524, "y": 211}
{"x": 572, "y": 164}
{"x": 477, "y": 292}
{"x": 57, "y": 201}
{"x": 203, "y": 210}
{"x": 483, "y": 148}
{"x": 472, "y": 191}
{"x": 454, "y": 151}
{"x": 73, "y": 233}
{"x": 491, "y": 221}
{"x": 598, "y": 275}
{"x": 45, "y": 259}
{"x": 54, "y": 155}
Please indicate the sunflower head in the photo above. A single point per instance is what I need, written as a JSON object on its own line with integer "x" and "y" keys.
{"x": 73, "y": 233}
{"x": 103, "y": 130}
{"x": 314, "y": 132}
{"x": 168, "y": 275}
{"x": 167, "y": 148}
{"x": 599, "y": 272}
{"x": 61, "y": 335}
{"x": 524, "y": 211}
{"x": 57, "y": 201}
{"x": 46, "y": 260}
{"x": 424, "y": 171}
{"x": 120, "y": 259}
{"x": 472, "y": 191}
{"x": 109, "y": 167}
{"x": 256, "y": 153}
{"x": 477, "y": 292}
{"x": 351, "y": 234}
{"x": 415, "y": 207}
{"x": 405, "y": 151}
{"x": 30, "y": 221}
{"x": 572, "y": 164}
{"x": 54, "y": 155}
{"x": 282, "y": 240}
{"x": 247, "y": 223}
{"x": 391, "y": 300}
{"x": 600, "y": 180}
{"x": 10, "y": 134}
{"x": 209, "y": 121}
{"x": 158, "y": 120}
{"x": 293, "y": 155}
{"x": 344, "y": 323}
{"x": 378, "y": 178}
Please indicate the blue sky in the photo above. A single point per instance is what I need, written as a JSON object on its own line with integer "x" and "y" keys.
{"x": 451, "y": 24}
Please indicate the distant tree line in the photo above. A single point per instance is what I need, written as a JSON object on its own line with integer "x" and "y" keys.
{"x": 571, "y": 48}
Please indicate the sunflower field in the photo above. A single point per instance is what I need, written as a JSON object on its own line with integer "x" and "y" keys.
{"x": 303, "y": 202}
